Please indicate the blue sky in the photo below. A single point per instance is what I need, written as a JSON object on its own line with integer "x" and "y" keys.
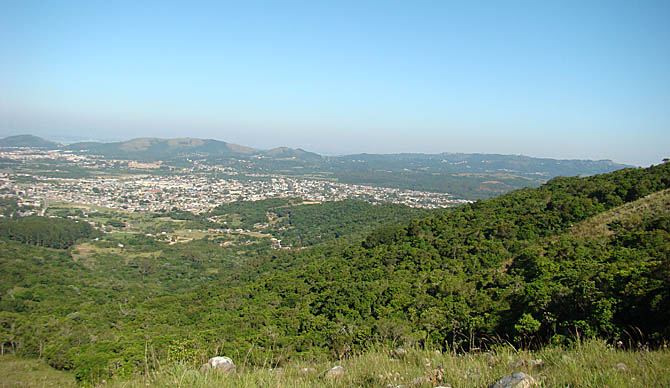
{"x": 583, "y": 79}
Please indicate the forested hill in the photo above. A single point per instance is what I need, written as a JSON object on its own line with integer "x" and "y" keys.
{"x": 471, "y": 176}
{"x": 509, "y": 268}
{"x": 27, "y": 141}
{"x": 298, "y": 224}
{"x": 518, "y": 268}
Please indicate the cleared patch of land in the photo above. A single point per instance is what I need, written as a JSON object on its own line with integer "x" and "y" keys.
{"x": 19, "y": 373}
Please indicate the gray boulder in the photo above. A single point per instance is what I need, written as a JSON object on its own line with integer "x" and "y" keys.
{"x": 515, "y": 380}
{"x": 218, "y": 364}
{"x": 335, "y": 372}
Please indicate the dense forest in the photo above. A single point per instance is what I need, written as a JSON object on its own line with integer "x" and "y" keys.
{"x": 46, "y": 232}
{"x": 300, "y": 224}
{"x": 577, "y": 257}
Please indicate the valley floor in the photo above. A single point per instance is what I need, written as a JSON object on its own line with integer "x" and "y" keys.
{"x": 589, "y": 364}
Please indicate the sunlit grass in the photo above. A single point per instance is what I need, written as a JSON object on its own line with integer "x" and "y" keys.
{"x": 589, "y": 365}
{"x": 592, "y": 364}
{"x": 18, "y": 373}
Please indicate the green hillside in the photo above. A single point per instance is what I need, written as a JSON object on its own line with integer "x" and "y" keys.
{"x": 301, "y": 224}
{"x": 504, "y": 268}
{"x": 512, "y": 269}
{"x": 151, "y": 149}
{"x": 27, "y": 141}
{"x": 629, "y": 215}
{"x": 471, "y": 176}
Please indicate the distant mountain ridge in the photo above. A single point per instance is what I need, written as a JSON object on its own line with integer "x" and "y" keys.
{"x": 157, "y": 148}
{"x": 488, "y": 163}
{"x": 467, "y": 176}
{"x": 153, "y": 147}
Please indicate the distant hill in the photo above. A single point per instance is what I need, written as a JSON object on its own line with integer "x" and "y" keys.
{"x": 470, "y": 164}
{"x": 159, "y": 149}
{"x": 28, "y": 141}
{"x": 149, "y": 148}
{"x": 516, "y": 268}
{"x": 290, "y": 153}
{"x": 471, "y": 176}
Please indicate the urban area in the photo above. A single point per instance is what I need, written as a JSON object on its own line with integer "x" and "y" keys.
{"x": 197, "y": 188}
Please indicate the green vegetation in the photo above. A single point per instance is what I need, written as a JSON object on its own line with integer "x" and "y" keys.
{"x": 246, "y": 214}
{"x": 591, "y": 364}
{"x": 27, "y": 141}
{"x": 9, "y": 206}
{"x": 311, "y": 224}
{"x": 514, "y": 269}
{"x": 152, "y": 149}
{"x": 18, "y": 373}
{"x": 469, "y": 176}
{"x": 301, "y": 224}
{"x": 47, "y": 232}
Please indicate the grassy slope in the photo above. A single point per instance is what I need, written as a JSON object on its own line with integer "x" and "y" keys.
{"x": 20, "y": 373}
{"x": 629, "y": 214}
{"x": 591, "y": 364}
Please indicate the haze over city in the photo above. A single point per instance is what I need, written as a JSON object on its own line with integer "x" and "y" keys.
{"x": 563, "y": 80}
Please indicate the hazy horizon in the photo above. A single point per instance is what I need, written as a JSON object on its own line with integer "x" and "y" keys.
{"x": 65, "y": 140}
{"x": 564, "y": 80}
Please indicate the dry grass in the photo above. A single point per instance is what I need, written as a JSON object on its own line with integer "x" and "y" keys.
{"x": 629, "y": 214}
{"x": 18, "y": 373}
{"x": 593, "y": 364}
{"x": 588, "y": 365}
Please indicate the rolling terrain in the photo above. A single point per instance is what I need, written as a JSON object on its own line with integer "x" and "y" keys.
{"x": 515, "y": 269}
{"x": 465, "y": 176}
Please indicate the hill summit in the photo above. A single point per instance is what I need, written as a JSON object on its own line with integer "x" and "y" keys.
{"x": 28, "y": 141}
{"x": 156, "y": 149}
